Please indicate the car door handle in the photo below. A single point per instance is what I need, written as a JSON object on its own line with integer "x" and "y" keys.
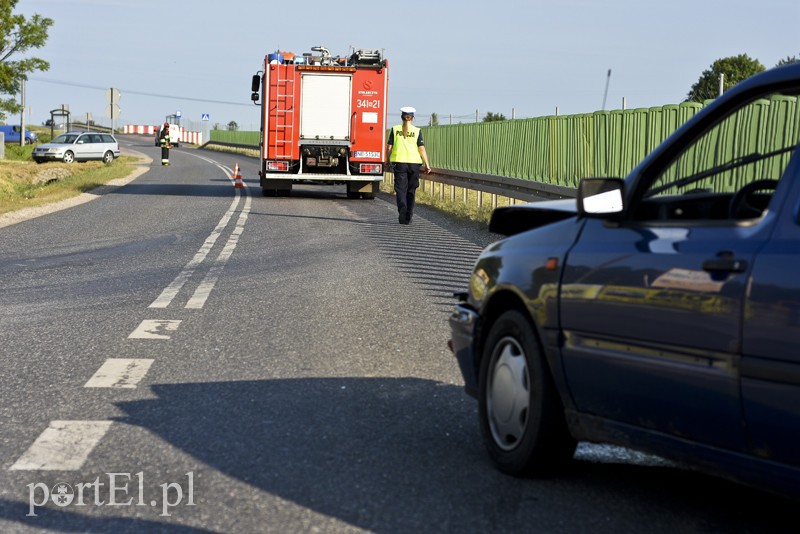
{"x": 725, "y": 263}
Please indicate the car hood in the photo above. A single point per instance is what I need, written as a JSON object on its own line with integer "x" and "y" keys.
{"x": 54, "y": 145}
{"x": 510, "y": 220}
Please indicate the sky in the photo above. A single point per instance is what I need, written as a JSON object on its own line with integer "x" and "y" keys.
{"x": 457, "y": 58}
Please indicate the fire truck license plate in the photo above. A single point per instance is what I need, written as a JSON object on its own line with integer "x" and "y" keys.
{"x": 366, "y": 154}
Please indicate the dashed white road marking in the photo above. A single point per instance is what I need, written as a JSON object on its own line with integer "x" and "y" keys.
{"x": 120, "y": 373}
{"x": 154, "y": 329}
{"x": 63, "y": 446}
{"x": 204, "y": 289}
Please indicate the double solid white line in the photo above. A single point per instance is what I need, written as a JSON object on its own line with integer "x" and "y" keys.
{"x": 201, "y": 294}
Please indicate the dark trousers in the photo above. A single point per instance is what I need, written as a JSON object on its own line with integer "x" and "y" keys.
{"x": 406, "y": 182}
{"x": 164, "y": 153}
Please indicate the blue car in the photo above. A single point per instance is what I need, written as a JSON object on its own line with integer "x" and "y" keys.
{"x": 13, "y": 132}
{"x": 659, "y": 312}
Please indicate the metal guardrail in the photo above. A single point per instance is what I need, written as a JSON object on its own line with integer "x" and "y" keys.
{"x": 229, "y": 145}
{"x": 517, "y": 188}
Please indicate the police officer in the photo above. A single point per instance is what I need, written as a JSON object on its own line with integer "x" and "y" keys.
{"x": 407, "y": 154}
{"x": 165, "y": 144}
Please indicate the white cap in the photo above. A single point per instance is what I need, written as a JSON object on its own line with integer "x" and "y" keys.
{"x": 408, "y": 110}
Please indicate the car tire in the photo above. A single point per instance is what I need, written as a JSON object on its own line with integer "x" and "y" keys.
{"x": 108, "y": 157}
{"x": 521, "y": 415}
{"x": 69, "y": 157}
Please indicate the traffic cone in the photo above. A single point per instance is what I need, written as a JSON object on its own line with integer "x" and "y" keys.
{"x": 237, "y": 177}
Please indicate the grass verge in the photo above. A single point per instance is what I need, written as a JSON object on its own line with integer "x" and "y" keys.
{"x": 25, "y": 184}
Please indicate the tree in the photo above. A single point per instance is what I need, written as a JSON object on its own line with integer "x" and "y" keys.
{"x": 232, "y": 126}
{"x": 18, "y": 36}
{"x": 492, "y": 117}
{"x": 434, "y": 119}
{"x": 735, "y": 69}
{"x": 788, "y": 60}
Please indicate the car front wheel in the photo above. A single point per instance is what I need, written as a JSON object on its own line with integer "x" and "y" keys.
{"x": 108, "y": 157}
{"x": 521, "y": 415}
{"x": 69, "y": 157}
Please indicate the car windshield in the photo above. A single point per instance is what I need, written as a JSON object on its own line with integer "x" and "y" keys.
{"x": 65, "y": 139}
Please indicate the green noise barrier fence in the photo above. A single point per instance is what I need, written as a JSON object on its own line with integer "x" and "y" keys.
{"x": 239, "y": 138}
{"x": 560, "y": 150}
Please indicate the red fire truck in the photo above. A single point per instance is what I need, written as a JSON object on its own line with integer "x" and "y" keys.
{"x": 323, "y": 120}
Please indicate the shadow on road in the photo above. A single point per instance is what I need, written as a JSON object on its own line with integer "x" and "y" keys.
{"x": 404, "y": 455}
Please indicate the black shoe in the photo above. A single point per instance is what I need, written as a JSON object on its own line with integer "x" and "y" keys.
{"x": 402, "y": 218}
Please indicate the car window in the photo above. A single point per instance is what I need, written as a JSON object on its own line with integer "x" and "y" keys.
{"x": 730, "y": 172}
{"x": 65, "y": 139}
{"x": 107, "y": 138}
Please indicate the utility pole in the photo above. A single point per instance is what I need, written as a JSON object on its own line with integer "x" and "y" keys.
{"x": 608, "y": 79}
{"x": 721, "y": 83}
{"x": 22, "y": 115}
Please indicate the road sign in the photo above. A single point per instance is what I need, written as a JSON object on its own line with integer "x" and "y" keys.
{"x": 205, "y": 117}
{"x": 116, "y": 111}
{"x": 112, "y": 95}
{"x": 178, "y": 114}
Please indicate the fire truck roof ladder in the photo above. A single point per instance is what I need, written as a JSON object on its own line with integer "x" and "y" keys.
{"x": 283, "y": 116}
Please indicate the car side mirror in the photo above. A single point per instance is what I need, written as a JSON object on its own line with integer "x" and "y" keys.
{"x": 598, "y": 197}
{"x": 255, "y": 83}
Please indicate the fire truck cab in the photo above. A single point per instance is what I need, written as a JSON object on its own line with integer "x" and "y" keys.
{"x": 323, "y": 120}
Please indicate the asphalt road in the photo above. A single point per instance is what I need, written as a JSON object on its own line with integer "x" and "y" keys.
{"x": 181, "y": 355}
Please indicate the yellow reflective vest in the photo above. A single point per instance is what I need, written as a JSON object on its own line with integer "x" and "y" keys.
{"x": 404, "y": 149}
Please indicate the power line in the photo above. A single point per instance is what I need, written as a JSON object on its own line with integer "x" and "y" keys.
{"x": 142, "y": 93}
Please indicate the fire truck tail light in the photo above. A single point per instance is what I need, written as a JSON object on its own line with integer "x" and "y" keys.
{"x": 278, "y": 166}
{"x": 371, "y": 168}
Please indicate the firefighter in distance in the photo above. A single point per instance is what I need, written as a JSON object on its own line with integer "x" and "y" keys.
{"x": 164, "y": 140}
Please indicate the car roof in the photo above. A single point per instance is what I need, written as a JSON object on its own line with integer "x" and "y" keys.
{"x": 80, "y": 133}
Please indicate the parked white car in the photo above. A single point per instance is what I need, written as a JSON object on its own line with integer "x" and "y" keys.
{"x": 78, "y": 146}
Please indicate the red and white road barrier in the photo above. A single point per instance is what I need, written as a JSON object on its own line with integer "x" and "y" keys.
{"x": 194, "y": 138}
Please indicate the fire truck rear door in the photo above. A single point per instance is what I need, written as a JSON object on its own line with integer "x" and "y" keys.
{"x": 325, "y": 107}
